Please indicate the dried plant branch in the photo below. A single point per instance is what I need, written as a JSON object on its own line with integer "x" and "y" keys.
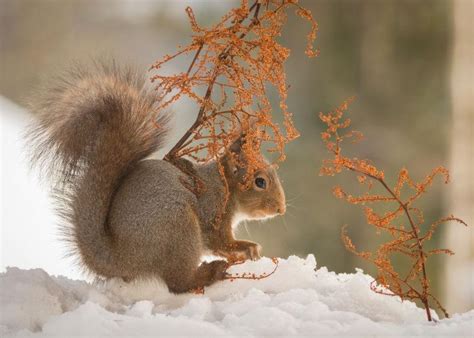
{"x": 252, "y": 276}
{"x": 408, "y": 242}
{"x": 233, "y": 61}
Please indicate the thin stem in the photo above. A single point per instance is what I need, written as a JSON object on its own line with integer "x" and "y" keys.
{"x": 195, "y": 58}
{"x": 425, "y": 283}
{"x": 224, "y": 54}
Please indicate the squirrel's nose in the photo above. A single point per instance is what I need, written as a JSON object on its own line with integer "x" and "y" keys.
{"x": 282, "y": 209}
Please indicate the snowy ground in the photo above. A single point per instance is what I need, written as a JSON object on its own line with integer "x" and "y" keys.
{"x": 297, "y": 300}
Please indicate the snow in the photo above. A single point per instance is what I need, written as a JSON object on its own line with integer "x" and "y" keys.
{"x": 26, "y": 215}
{"x": 298, "y": 299}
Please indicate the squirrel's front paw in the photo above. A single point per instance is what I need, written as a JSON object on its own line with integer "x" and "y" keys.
{"x": 240, "y": 251}
{"x": 253, "y": 251}
{"x": 247, "y": 250}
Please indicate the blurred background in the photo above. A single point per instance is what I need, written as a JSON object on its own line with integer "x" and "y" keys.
{"x": 408, "y": 62}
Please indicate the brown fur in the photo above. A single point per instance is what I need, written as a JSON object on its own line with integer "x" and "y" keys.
{"x": 127, "y": 216}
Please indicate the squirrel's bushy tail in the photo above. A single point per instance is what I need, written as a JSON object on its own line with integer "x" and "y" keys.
{"x": 94, "y": 125}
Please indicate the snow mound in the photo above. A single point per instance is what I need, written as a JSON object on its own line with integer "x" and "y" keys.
{"x": 297, "y": 299}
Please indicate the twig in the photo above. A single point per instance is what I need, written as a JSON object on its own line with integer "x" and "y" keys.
{"x": 171, "y": 155}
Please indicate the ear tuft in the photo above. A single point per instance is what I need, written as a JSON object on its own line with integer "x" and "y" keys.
{"x": 236, "y": 146}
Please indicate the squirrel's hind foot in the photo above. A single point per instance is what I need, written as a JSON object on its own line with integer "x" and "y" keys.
{"x": 211, "y": 272}
{"x": 206, "y": 274}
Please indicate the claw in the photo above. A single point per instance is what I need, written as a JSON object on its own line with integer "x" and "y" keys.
{"x": 241, "y": 251}
{"x": 253, "y": 252}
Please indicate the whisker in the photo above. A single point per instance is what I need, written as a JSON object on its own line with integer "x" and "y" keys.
{"x": 289, "y": 213}
{"x": 295, "y": 197}
{"x": 293, "y": 206}
{"x": 246, "y": 229}
{"x": 284, "y": 223}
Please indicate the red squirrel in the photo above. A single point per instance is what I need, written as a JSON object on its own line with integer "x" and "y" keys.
{"x": 132, "y": 217}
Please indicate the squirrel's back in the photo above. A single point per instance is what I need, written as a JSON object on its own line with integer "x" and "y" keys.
{"x": 153, "y": 219}
{"x": 93, "y": 126}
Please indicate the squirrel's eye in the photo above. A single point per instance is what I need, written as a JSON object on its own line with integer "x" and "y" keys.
{"x": 260, "y": 183}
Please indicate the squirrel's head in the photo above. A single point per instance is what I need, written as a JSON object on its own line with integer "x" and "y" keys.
{"x": 259, "y": 196}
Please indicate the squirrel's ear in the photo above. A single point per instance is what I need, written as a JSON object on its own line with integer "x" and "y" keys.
{"x": 236, "y": 146}
{"x": 234, "y": 158}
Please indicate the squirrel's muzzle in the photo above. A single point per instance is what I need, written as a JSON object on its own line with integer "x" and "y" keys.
{"x": 281, "y": 209}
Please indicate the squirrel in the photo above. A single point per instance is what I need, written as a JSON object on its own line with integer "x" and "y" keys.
{"x": 129, "y": 216}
